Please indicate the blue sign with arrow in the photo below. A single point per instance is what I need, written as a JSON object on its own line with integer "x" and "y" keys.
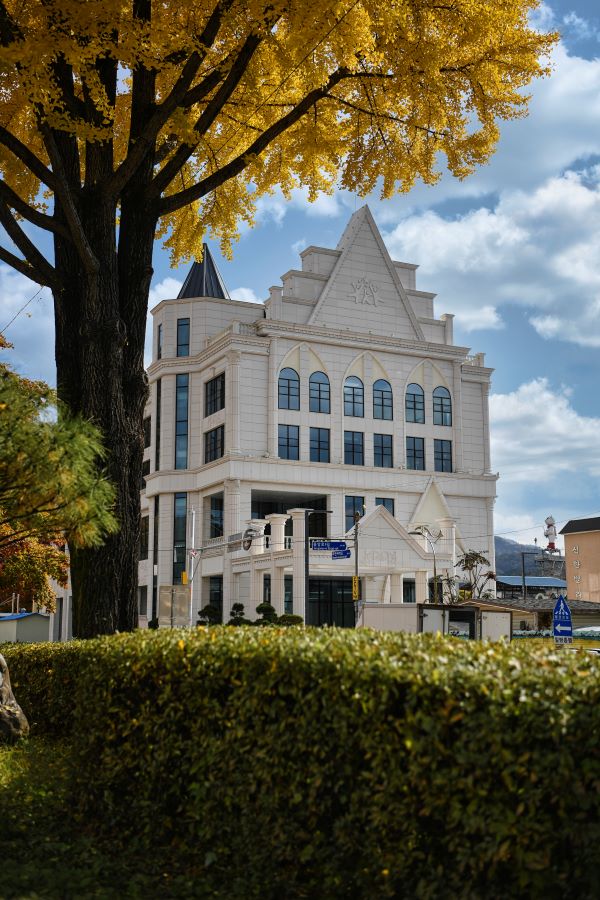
{"x": 562, "y": 624}
{"x": 341, "y": 554}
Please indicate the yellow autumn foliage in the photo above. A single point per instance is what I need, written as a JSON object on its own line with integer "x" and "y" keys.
{"x": 234, "y": 98}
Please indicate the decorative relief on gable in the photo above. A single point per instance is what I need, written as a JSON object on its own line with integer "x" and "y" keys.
{"x": 366, "y": 292}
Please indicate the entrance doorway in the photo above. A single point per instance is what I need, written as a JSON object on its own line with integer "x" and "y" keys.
{"x": 330, "y": 602}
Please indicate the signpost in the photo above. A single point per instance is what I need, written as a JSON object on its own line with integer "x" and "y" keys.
{"x": 341, "y": 554}
{"x": 328, "y": 545}
{"x": 355, "y": 588}
{"x": 562, "y": 625}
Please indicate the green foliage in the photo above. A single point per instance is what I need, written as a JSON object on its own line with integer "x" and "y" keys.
{"x": 287, "y": 620}
{"x": 209, "y": 615}
{"x": 237, "y": 617}
{"x": 479, "y": 575}
{"x": 332, "y": 764}
{"x": 267, "y": 614}
{"x": 50, "y": 483}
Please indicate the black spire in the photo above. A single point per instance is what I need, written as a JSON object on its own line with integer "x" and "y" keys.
{"x": 204, "y": 280}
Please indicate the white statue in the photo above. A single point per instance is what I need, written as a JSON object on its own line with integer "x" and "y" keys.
{"x": 550, "y": 533}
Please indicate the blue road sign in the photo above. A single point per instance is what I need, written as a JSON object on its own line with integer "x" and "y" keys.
{"x": 562, "y": 624}
{"x": 341, "y": 554}
{"x": 328, "y": 545}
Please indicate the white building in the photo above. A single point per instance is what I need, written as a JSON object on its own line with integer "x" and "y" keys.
{"x": 341, "y": 393}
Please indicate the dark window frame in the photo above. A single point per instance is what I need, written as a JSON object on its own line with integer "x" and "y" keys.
{"x": 288, "y": 441}
{"x": 442, "y": 406}
{"x": 354, "y": 397}
{"x": 415, "y": 453}
{"x": 387, "y": 502}
{"x": 159, "y": 341}
{"x": 179, "y": 535}
{"x": 182, "y": 399}
{"x": 214, "y": 395}
{"x": 319, "y": 393}
{"x": 383, "y": 451}
{"x": 144, "y": 537}
{"x": 351, "y": 508}
{"x": 414, "y": 409}
{"x": 383, "y": 400}
{"x": 288, "y": 389}
{"x": 320, "y": 444}
{"x": 183, "y": 337}
{"x": 354, "y": 448}
{"x": 442, "y": 455}
{"x": 147, "y": 431}
{"x": 217, "y": 516}
{"x": 214, "y": 444}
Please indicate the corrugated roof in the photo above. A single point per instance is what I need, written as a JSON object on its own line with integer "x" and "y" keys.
{"x": 544, "y": 604}
{"x": 531, "y": 581}
{"x": 575, "y": 525}
{"x": 204, "y": 280}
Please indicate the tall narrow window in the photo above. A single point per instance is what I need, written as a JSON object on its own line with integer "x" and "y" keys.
{"x": 353, "y": 505}
{"x": 159, "y": 336}
{"x": 143, "y": 600}
{"x": 181, "y": 421}
{"x": 354, "y": 453}
{"x": 183, "y": 337}
{"x": 289, "y": 389}
{"x": 288, "y": 594}
{"x": 216, "y": 516}
{"x": 214, "y": 444}
{"x": 319, "y": 400}
{"x": 155, "y": 531}
{"x": 382, "y": 400}
{"x": 145, "y": 472}
{"x": 388, "y": 502}
{"x": 383, "y": 454}
{"x": 147, "y": 432}
{"x": 415, "y": 453}
{"x": 179, "y": 536}
{"x": 215, "y": 594}
{"x": 442, "y": 406}
{"x": 354, "y": 397}
{"x": 415, "y": 403}
{"x": 214, "y": 395}
{"x": 442, "y": 456}
{"x": 157, "y": 434}
{"x": 289, "y": 442}
{"x": 144, "y": 537}
{"x": 319, "y": 445}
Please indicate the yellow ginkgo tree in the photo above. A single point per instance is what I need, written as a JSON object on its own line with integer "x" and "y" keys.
{"x": 124, "y": 119}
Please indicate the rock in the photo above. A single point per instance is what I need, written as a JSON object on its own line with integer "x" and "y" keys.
{"x": 13, "y": 724}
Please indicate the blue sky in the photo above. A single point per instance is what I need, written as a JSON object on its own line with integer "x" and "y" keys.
{"x": 513, "y": 251}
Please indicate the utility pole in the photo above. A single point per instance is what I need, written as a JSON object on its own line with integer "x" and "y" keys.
{"x": 355, "y": 581}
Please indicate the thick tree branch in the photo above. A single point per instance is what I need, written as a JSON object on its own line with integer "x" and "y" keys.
{"x": 213, "y": 108}
{"x": 146, "y": 139}
{"x": 240, "y": 162}
{"x": 33, "y": 256}
{"x": 29, "y": 159}
{"x": 23, "y": 267}
{"x": 64, "y": 195}
{"x": 48, "y": 223}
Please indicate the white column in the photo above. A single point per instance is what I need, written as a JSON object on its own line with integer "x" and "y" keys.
{"x": 277, "y": 522}
{"x": 272, "y": 395}
{"x": 421, "y": 591}
{"x": 231, "y": 503}
{"x": 457, "y": 424}
{"x": 233, "y": 406}
{"x": 485, "y": 402}
{"x": 258, "y": 543}
{"x": 396, "y": 595}
{"x": 298, "y": 519}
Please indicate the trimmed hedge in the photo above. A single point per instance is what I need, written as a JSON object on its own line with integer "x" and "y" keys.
{"x": 304, "y": 763}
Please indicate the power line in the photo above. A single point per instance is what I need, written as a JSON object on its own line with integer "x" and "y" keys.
{"x": 24, "y": 307}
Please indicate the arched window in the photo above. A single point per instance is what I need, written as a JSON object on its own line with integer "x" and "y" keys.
{"x": 382, "y": 400}
{"x": 442, "y": 406}
{"x": 415, "y": 403}
{"x": 289, "y": 389}
{"x": 319, "y": 393}
{"x": 354, "y": 397}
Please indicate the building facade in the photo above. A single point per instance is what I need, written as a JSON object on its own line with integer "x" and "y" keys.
{"x": 582, "y": 558}
{"x": 342, "y": 395}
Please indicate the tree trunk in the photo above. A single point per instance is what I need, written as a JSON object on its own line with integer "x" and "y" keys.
{"x": 100, "y": 327}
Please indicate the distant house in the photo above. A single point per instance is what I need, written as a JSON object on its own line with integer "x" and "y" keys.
{"x": 582, "y": 554}
{"x": 24, "y": 627}
{"x": 511, "y": 586}
{"x": 535, "y": 613}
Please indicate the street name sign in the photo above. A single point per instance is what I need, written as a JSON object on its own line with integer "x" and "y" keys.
{"x": 341, "y": 554}
{"x": 562, "y": 625}
{"x": 328, "y": 545}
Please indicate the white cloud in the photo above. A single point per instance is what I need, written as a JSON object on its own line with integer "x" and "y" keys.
{"x": 167, "y": 289}
{"x": 298, "y": 246}
{"x": 537, "y": 249}
{"x": 538, "y": 436}
{"x": 244, "y": 293}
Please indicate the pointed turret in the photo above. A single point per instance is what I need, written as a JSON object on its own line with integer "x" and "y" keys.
{"x": 204, "y": 280}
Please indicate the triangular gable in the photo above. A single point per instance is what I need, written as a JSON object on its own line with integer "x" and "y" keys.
{"x": 431, "y": 507}
{"x": 380, "y": 532}
{"x": 364, "y": 291}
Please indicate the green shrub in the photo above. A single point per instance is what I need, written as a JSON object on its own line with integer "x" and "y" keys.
{"x": 333, "y": 764}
